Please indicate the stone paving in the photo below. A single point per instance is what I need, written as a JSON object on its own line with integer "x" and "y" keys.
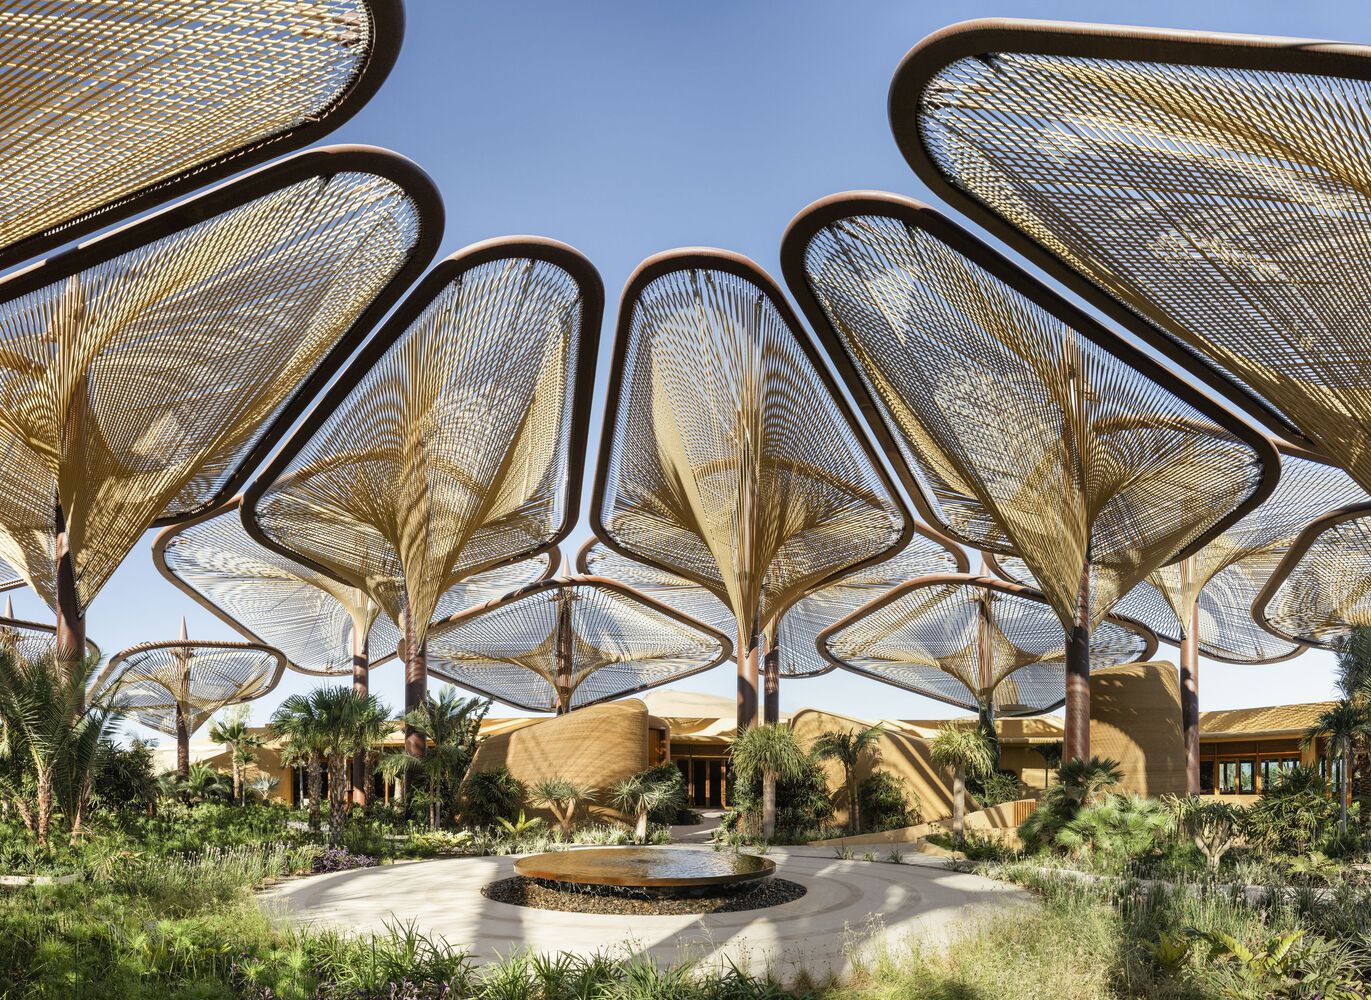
{"x": 853, "y": 910}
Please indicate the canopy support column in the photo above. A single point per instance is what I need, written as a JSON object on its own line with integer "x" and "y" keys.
{"x": 1077, "y": 742}
{"x": 564, "y": 653}
{"x": 71, "y": 624}
{"x": 416, "y": 690}
{"x": 771, "y": 703}
{"x": 361, "y": 684}
{"x": 182, "y": 746}
{"x": 1190, "y": 679}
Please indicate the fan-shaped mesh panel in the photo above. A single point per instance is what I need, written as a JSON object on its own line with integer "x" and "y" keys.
{"x": 1322, "y": 588}
{"x": 453, "y": 451}
{"x": 153, "y": 679}
{"x": 1023, "y": 433}
{"x": 32, "y": 640}
{"x": 729, "y": 459}
{"x": 308, "y": 616}
{"x": 1220, "y": 204}
{"x": 135, "y": 388}
{"x": 571, "y": 644}
{"x": 927, "y": 638}
{"x": 805, "y": 619}
{"x": 108, "y": 102}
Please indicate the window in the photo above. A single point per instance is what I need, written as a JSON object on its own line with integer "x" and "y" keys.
{"x": 1274, "y": 768}
{"x": 1237, "y": 777}
{"x": 1206, "y": 777}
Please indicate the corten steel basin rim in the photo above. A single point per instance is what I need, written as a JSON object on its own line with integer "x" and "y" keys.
{"x": 604, "y": 866}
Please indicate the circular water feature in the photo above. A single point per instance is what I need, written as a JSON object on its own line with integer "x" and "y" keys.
{"x": 653, "y": 872}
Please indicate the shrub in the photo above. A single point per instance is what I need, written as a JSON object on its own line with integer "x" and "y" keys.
{"x": 803, "y": 805}
{"x": 1295, "y": 816}
{"x": 488, "y": 796}
{"x": 885, "y": 804}
{"x": 654, "y": 795}
{"x": 340, "y": 859}
{"x": 1078, "y": 783}
{"x": 1211, "y": 824}
{"x": 996, "y": 787}
{"x": 1118, "y": 828}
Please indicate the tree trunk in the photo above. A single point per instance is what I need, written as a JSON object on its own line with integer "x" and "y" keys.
{"x": 361, "y": 683}
{"x": 640, "y": 831}
{"x": 1345, "y": 790}
{"x": 43, "y": 795}
{"x": 337, "y": 795}
{"x": 768, "y": 805}
{"x": 237, "y": 775}
{"x": 78, "y": 818}
{"x": 959, "y": 806}
{"x": 854, "y": 806}
{"x": 416, "y": 689}
{"x": 1078, "y": 676}
{"x": 316, "y": 789}
{"x": 1190, "y": 697}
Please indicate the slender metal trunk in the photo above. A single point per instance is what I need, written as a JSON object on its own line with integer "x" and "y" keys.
{"x": 1190, "y": 687}
{"x": 70, "y": 645}
{"x": 564, "y": 653}
{"x": 182, "y": 746}
{"x": 1077, "y": 742}
{"x": 747, "y": 679}
{"x": 416, "y": 689}
{"x": 771, "y": 703}
{"x": 361, "y": 683}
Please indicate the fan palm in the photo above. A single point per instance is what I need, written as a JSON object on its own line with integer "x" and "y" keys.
{"x": 297, "y": 724}
{"x": 852, "y": 749}
{"x": 451, "y": 725}
{"x": 770, "y": 752}
{"x": 1082, "y": 780}
{"x": 351, "y": 723}
{"x": 962, "y": 751}
{"x": 232, "y": 732}
{"x": 1341, "y": 725}
{"x": 563, "y": 797}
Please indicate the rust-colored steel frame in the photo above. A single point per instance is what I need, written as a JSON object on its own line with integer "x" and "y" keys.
{"x": 1291, "y": 560}
{"x": 615, "y": 586}
{"x": 744, "y": 268}
{"x": 977, "y": 38}
{"x": 388, "y": 23}
{"x": 802, "y": 230}
{"x": 988, "y": 583}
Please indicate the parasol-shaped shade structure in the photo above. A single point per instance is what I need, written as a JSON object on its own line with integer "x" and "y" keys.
{"x": 728, "y": 456}
{"x": 564, "y": 644}
{"x": 452, "y": 445}
{"x": 984, "y": 645}
{"x": 113, "y": 106}
{"x": 1321, "y": 589}
{"x": 1021, "y": 425}
{"x": 927, "y": 552}
{"x": 1206, "y": 191}
{"x": 145, "y": 373}
{"x": 31, "y": 640}
{"x": 174, "y": 687}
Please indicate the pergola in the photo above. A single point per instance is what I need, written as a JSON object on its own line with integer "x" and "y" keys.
{"x": 98, "y": 125}
{"x": 31, "y": 640}
{"x": 927, "y": 552}
{"x": 1023, "y": 427}
{"x": 1321, "y": 590}
{"x": 565, "y": 644}
{"x": 729, "y": 457}
{"x": 174, "y": 687}
{"x": 144, "y": 374}
{"x": 452, "y": 445}
{"x": 991, "y": 647}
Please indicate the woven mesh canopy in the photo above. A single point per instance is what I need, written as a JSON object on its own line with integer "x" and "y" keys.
{"x": 1208, "y": 190}
{"x": 1024, "y": 427}
{"x": 112, "y": 104}
{"x": 801, "y": 624}
{"x": 155, "y": 679}
{"x": 31, "y": 640}
{"x": 143, "y": 374}
{"x": 566, "y": 644}
{"x": 1227, "y": 574}
{"x": 310, "y": 617}
{"x": 727, "y": 456}
{"x": 971, "y": 641}
{"x": 1322, "y": 588}
{"x": 455, "y": 445}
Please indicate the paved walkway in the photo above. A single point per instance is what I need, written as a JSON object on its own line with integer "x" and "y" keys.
{"x": 852, "y": 911}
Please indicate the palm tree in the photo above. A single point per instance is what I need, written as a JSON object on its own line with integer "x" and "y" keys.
{"x": 771, "y": 752}
{"x": 1341, "y": 726}
{"x": 660, "y": 787}
{"x": 1354, "y": 684}
{"x": 452, "y": 726}
{"x": 352, "y": 723}
{"x": 962, "y": 751}
{"x": 1082, "y": 780}
{"x": 851, "y": 748}
{"x": 205, "y": 784}
{"x": 297, "y": 724}
{"x": 232, "y": 732}
{"x": 49, "y": 738}
{"x": 563, "y": 797}
{"x": 1051, "y": 753}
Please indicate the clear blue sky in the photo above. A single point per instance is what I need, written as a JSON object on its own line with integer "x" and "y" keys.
{"x": 625, "y": 128}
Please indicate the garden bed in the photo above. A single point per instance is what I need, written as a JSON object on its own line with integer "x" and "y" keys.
{"x": 521, "y": 891}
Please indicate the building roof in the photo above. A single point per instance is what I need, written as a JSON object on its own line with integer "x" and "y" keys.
{"x": 1269, "y": 720}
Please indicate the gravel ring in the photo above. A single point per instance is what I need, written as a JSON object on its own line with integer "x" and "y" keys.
{"x": 521, "y": 891}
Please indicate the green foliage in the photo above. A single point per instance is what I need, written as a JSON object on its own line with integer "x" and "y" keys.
{"x": 563, "y": 797}
{"x": 124, "y": 777}
{"x": 853, "y": 749}
{"x": 451, "y": 725}
{"x": 886, "y": 804}
{"x": 1117, "y": 828}
{"x": 1212, "y": 825}
{"x": 996, "y": 787}
{"x": 655, "y": 794}
{"x": 957, "y": 748}
{"x": 520, "y": 827}
{"x": 488, "y": 796}
{"x": 766, "y": 755}
{"x": 803, "y": 806}
{"x": 1078, "y": 782}
{"x": 1294, "y": 816}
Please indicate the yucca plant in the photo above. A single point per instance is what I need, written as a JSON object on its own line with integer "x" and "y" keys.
{"x": 962, "y": 751}
{"x": 657, "y": 788}
{"x": 563, "y": 797}
{"x": 772, "y": 753}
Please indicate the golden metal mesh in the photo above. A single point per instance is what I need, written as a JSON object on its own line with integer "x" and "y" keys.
{"x": 728, "y": 457}
{"x": 154, "y": 679}
{"x": 143, "y": 374}
{"x": 31, "y": 640}
{"x": 308, "y": 616}
{"x": 801, "y": 624}
{"x": 1024, "y": 427}
{"x": 970, "y": 641}
{"x": 1209, "y": 191}
{"x": 455, "y": 450}
{"x": 1322, "y": 588}
{"x": 566, "y": 644}
{"x": 111, "y": 104}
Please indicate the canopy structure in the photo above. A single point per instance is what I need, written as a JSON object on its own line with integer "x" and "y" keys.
{"x": 145, "y": 373}
{"x": 1321, "y": 589}
{"x": 1207, "y": 191}
{"x": 453, "y": 444}
{"x": 97, "y": 122}
{"x": 928, "y": 552}
{"x": 31, "y": 640}
{"x": 174, "y": 687}
{"x": 729, "y": 457}
{"x": 564, "y": 644}
{"x": 1023, "y": 427}
{"x": 980, "y": 644}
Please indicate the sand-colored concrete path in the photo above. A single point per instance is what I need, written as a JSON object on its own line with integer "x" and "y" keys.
{"x": 852, "y": 910}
